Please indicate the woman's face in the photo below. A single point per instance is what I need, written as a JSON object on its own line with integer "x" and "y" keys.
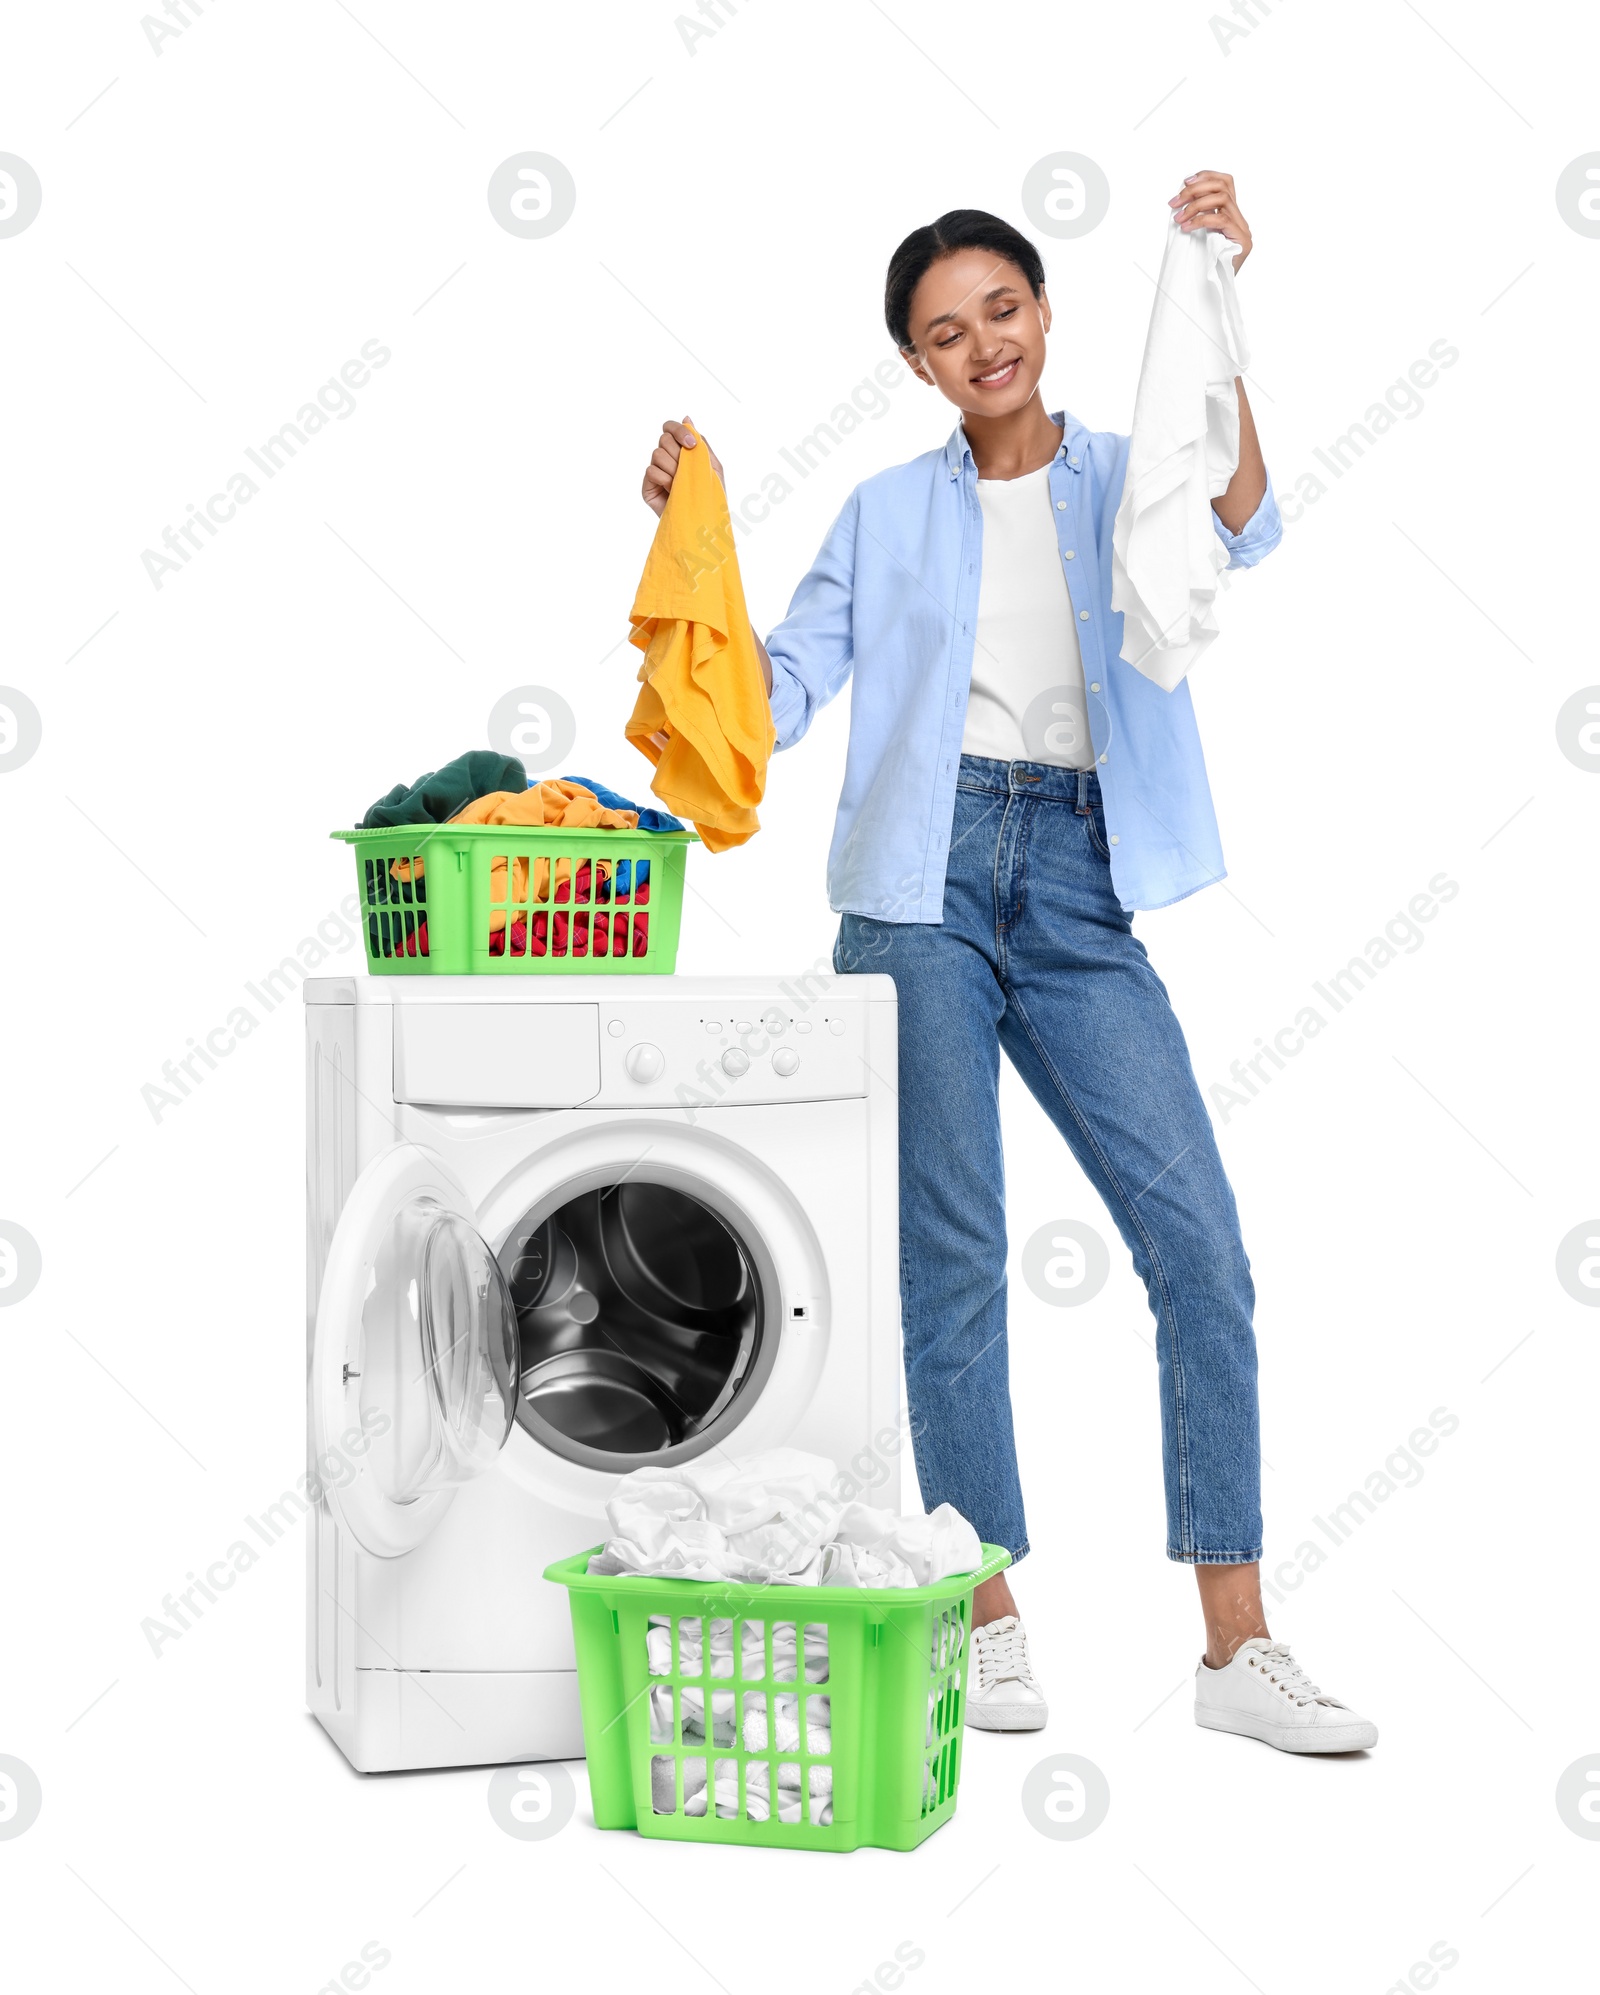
{"x": 978, "y": 333}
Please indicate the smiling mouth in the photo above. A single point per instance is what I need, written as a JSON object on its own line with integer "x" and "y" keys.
{"x": 998, "y": 377}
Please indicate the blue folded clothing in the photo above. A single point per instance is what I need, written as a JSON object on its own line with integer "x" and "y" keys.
{"x": 649, "y": 820}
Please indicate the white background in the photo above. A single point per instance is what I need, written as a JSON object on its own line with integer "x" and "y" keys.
{"x": 221, "y": 229}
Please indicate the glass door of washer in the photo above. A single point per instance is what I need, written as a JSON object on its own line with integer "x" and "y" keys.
{"x": 415, "y": 1359}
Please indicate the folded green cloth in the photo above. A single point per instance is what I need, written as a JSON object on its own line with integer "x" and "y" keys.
{"x": 437, "y": 796}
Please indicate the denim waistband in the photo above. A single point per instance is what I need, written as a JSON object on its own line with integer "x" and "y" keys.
{"x": 1029, "y": 779}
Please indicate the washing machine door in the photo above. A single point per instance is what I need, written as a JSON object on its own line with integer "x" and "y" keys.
{"x": 415, "y": 1360}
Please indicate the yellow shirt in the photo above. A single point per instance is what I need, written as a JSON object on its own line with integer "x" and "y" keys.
{"x": 700, "y": 683}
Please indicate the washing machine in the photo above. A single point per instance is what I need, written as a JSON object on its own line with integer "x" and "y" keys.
{"x": 558, "y": 1228}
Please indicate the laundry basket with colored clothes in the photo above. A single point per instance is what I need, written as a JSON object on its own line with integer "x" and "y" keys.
{"x": 502, "y": 899}
{"x": 794, "y": 1717}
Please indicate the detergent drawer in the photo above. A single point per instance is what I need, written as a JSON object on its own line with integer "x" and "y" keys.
{"x": 496, "y": 1055}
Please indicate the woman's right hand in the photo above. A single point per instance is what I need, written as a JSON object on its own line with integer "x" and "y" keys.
{"x": 663, "y": 466}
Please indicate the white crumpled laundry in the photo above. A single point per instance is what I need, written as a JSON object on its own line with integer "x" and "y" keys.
{"x": 787, "y": 1645}
{"x": 785, "y": 1728}
{"x": 878, "y": 1548}
{"x": 1183, "y": 452}
{"x": 723, "y": 1792}
{"x": 784, "y": 1731}
{"x": 773, "y": 1519}
{"x": 759, "y": 1521}
{"x": 758, "y": 1796}
{"x": 722, "y": 1789}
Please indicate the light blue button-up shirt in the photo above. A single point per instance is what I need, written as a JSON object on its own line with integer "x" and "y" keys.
{"x": 893, "y": 597}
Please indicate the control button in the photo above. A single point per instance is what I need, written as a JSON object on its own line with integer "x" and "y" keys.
{"x": 713, "y": 1024}
{"x": 735, "y": 1063}
{"x": 803, "y": 1026}
{"x": 785, "y": 1061}
{"x": 645, "y": 1062}
{"x": 774, "y": 1021}
{"x": 616, "y": 1028}
{"x": 836, "y": 1026}
{"x": 743, "y": 1025}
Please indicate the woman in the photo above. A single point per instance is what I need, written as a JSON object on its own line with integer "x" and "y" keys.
{"x": 1013, "y": 791}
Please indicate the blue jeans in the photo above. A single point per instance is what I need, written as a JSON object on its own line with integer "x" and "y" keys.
{"x": 1036, "y": 955}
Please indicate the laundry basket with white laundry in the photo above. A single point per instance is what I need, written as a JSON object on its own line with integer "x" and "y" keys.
{"x": 807, "y": 1717}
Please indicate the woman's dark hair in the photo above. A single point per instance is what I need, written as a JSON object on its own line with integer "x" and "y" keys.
{"x": 962, "y": 228}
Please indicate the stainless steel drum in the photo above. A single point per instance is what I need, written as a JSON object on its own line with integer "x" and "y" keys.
{"x": 641, "y": 1321}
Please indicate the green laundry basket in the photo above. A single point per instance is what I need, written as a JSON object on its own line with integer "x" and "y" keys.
{"x": 873, "y": 1679}
{"x": 514, "y": 900}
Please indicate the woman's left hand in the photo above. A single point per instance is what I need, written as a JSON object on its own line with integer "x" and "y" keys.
{"x": 1207, "y": 201}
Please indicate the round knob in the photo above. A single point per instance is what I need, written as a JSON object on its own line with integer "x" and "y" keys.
{"x": 736, "y": 1063}
{"x": 785, "y": 1061}
{"x": 645, "y": 1063}
{"x": 836, "y": 1026}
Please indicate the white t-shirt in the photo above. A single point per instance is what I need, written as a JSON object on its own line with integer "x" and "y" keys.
{"x": 1027, "y": 702}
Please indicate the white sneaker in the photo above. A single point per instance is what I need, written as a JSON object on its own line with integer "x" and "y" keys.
{"x": 1265, "y": 1694}
{"x": 1002, "y": 1695}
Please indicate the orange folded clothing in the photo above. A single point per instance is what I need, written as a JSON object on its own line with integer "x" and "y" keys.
{"x": 557, "y": 800}
{"x": 700, "y": 684}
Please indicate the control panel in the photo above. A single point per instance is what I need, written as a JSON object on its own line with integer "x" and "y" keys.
{"x": 719, "y": 1052}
